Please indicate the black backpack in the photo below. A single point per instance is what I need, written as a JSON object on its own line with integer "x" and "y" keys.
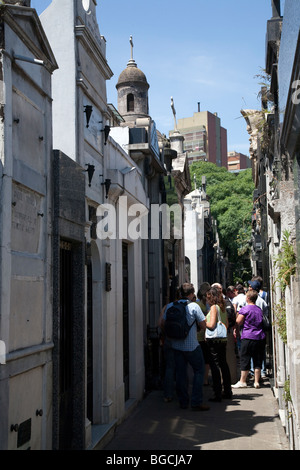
{"x": 230, "y": 313}
{"x": 176, "y": 325}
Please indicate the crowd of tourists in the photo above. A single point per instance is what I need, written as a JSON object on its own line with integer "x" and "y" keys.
{"x": 221, "y": 334}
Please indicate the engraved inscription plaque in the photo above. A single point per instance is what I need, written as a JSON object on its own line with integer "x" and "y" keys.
{"x": 26, "y": 220}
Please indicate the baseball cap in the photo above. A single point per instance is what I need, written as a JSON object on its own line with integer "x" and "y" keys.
{"x": 255, "y": 285}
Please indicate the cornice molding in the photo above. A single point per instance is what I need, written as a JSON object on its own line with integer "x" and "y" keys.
{"x": 11, "y": 13}
{"x": 83, "y": 34}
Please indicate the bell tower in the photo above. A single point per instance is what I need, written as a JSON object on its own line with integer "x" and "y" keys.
{"x": 132, "y": 90}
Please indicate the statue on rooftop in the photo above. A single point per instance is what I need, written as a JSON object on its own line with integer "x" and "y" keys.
{"x": 174, "y": 113}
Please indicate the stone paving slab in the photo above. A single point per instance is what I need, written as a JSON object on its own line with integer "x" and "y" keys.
{"x": 249, "y": 421}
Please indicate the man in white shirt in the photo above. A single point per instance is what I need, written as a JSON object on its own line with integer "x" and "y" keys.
{"x": 239, "y": 300}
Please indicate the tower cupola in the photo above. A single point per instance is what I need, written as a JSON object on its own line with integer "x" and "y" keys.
{"x": 132, "y": 90}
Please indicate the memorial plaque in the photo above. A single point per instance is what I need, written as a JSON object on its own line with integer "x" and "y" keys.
{"x": 24, "y": 432}
{"x": 26, "y": 220}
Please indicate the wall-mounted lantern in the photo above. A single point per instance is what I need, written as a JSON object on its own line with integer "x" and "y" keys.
{"x": 107, "y": 184}
{"x": 106, "y": 131}
{"x": 88, "y": 109}
{"x": 90, "y": 171}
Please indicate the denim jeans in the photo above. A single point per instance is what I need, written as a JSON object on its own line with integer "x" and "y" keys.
{"x": 195, "y": 359}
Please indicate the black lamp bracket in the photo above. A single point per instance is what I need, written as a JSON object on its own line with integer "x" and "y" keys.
{"x": 88, "y": 109}
{"x": 106, "y": 131}
{"x": 106, "y": 183}
{"x": 90, "y": 171}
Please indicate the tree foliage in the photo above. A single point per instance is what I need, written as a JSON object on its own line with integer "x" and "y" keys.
{"x": 231, "y": 201}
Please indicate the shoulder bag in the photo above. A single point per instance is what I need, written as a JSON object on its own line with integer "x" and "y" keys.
{"x": 219, "y": 331}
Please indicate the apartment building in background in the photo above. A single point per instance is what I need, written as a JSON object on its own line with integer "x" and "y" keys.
{"x": 204, "y": 138}
{"x": 237, "y": 161}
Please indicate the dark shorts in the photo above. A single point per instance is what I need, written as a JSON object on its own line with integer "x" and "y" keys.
{"x": 252, "y": 349}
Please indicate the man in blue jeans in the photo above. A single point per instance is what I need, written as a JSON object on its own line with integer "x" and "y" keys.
{"x": 188, "y": 351}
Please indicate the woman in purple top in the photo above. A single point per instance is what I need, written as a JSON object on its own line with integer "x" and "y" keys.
{"x": 252, "y": 339}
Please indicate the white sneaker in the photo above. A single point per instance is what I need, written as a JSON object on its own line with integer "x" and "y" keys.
{"x": 239, "y": 385}
{"x": 256, "y": 385}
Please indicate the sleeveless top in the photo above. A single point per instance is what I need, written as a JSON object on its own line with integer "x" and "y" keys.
{"x": 223, "y": 316}
{"x": 201, "y": 333}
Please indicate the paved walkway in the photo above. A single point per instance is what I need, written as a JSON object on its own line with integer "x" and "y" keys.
{"x": 249, "y": 421}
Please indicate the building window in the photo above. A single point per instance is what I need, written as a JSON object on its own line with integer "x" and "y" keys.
{"x": 130, "y": 102}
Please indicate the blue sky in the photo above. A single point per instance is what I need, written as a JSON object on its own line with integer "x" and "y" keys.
{"x": 206, "y": 51}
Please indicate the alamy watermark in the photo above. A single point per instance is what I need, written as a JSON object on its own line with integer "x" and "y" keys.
{"x": 296, "y": 93}
{"x": 136, "y": 221}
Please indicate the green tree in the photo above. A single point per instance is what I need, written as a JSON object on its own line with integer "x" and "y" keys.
{"x": 231, "y": 202}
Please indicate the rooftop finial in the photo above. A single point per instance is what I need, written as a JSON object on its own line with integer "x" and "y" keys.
{"x": 174, "y": 113}
{"x": 131, "y": 47}
{"x": 131, "y": 62}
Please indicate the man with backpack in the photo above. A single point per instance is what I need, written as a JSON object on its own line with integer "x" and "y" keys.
{"x": 180, "y": 322}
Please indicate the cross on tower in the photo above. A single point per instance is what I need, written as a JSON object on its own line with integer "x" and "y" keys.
{"x": 131, "y": 47}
